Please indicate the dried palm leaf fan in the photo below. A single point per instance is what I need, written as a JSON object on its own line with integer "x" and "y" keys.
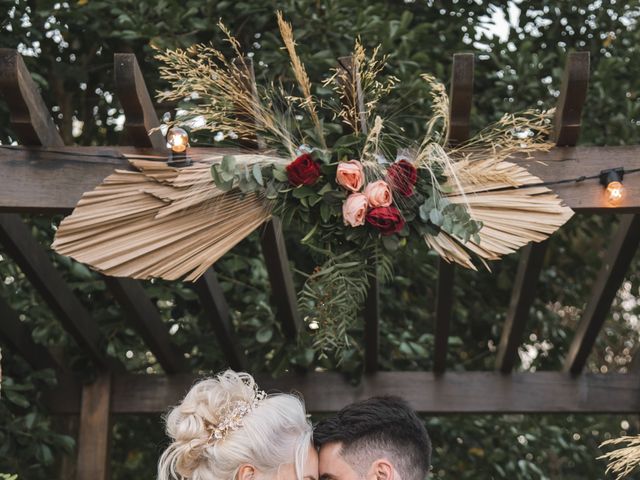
{"x": 470, "y": 202}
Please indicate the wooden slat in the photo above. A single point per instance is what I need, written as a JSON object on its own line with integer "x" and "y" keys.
{"x": 33, "y": 124}
{"x": 616, "y": 262}
{"x": 573, "y": 93}
{"x": 371, "y": 311}
{"x": 429, "y": 393}
{"x": 145, "y": 318}
{"x": 283, "y": 290}
{"x": 19, "y": 339}
{"x": 29, "y": 116}
{"x": 70, "y": 171}
{"x": 272, "y": 241}
{"x": 522, "y": 297}
{"x": 141, "y": 118}
{"x": 94, "y": 435}
{"x": 136, "y": 102}
{"x": 16, "y": 237}
{"x": 459, "y": 114}
{"x": 216, "y": 311}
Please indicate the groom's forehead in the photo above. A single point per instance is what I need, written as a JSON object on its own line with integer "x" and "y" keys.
{"x": 332, "y": 465}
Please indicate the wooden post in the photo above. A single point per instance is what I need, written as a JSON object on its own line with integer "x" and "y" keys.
{"x": 272, "y": 240}
{"x": 459, "y": 114}
{"x": 573, "y": 93}
{"x": 95, "y": 430}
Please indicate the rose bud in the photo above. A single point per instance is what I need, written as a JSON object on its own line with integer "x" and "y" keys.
{"x": 386, "y": 219}
{"x": 379, "y": 194}
{"x": 350, "y": 175}
{"x": 402, "y": 177}
{"x": 354, "y": 209}
{"x": 304, "y": 170}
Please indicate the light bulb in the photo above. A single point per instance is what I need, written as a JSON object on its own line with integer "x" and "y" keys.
{"x": 177, "y": 140}
{"x": 615, "y": 192}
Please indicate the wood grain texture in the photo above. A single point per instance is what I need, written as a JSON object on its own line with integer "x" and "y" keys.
{"x": 573, "y": 93}
{"x": 70, "y": 171}
{"x": 94, "y": 435}
{"x": 451, "y": 393}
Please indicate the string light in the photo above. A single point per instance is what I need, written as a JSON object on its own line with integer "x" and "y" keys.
{"x": 177, "y": 140}
{"x": 612, "y": 181}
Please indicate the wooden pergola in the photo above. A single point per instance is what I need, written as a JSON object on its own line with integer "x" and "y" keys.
{"x": 70, "y": 171}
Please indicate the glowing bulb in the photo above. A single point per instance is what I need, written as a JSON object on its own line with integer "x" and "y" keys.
{"x": 177, "y": 140}
{"x": 615, "y": 192}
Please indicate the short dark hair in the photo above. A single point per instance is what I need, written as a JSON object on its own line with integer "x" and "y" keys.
{"x": 379, "y": 426}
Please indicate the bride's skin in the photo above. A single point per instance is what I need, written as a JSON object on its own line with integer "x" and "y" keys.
{"x": 285, "y": 472}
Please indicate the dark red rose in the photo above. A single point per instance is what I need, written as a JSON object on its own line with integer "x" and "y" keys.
{"x": 402, "y": 177}
{"x": 386, "y": 219}
{"x": 304, "y": 170}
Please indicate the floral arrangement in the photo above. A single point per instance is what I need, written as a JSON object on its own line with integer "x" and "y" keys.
{"x": 358, "y": 195}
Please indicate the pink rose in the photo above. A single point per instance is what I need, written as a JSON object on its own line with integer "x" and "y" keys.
{"x": 379, "y": 194}
{"x": 350, "y": 175}
{"x": 354, "y": 209}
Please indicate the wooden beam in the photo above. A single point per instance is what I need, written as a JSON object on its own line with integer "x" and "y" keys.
{"x": 18, "y": 337}
{"x": 371, "y": 311}
{"x": 283, "y": 290}
{"x": 616, "y": 262}
{"x": 141, "y": 118}
{"x": 216, "y": 310}
{"x": 94, "y": 435}
{"x": 272, "y": 239}
{"x": 522, "y": 297}
{"x": 459, "y": 114}
{"x": 145, "y": 318}
{"x": 573, "y": 93}
{"x": 70, "y": 171}
{"x": 29, "y": 116}
{"x": 136, "y": 102}
{"x": 32, "y": 122}
{"x": 16, "y": 237}
{"x": 429, "y": 393}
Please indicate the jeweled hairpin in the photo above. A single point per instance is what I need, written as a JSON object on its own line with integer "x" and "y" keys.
{"x": 233, "y": 419}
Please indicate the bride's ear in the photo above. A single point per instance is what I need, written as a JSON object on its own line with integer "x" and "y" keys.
{"x": 246, "y": 472}
{"x": 383, "y": 470}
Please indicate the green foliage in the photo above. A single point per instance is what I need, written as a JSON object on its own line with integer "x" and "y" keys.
{"x": 73, "y": 67}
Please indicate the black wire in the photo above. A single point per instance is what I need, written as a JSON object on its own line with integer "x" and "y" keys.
{"x": 579, "y": 179}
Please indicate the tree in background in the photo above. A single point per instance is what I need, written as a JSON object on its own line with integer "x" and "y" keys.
{"x": 69, "y": 49}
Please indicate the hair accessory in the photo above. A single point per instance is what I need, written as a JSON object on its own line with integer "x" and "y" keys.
{"x": 233, "y": 417}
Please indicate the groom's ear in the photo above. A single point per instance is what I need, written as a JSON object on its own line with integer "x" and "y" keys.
{"x": 383, "y": 470}
{"x": 246, "y": 472}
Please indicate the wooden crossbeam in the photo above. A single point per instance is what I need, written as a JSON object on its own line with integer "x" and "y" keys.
{"x": 141, "y": 118}
{"x": 459, "y": 114}
{"x": 34, "y": 126}
{"x": 94, "y": 436}
{"x": 616, "y": 262}
{"x": 429, "y": 393}
{"x": 282, "y": 287}
{"x": 272, "y": 240}
{"x": 16, "y": 237}
{"x": 573, "y": 93}
{"x": 70, "y": 171}
{"x": 19, "y": 339}
{"x": 29, "y": 116}
{"x": 371, "y": 310}
{"x": 216, "y": 310}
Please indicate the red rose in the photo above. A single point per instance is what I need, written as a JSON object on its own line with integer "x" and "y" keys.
{"x": 303, "y": 171}
{"x": 402, "y": 177}
{"x": 386, "y": 219}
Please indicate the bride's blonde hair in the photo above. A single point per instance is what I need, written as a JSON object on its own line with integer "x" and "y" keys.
{"x": 272, "y": 431}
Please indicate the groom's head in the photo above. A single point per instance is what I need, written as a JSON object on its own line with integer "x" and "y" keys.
{"x": 377, "y": 439}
